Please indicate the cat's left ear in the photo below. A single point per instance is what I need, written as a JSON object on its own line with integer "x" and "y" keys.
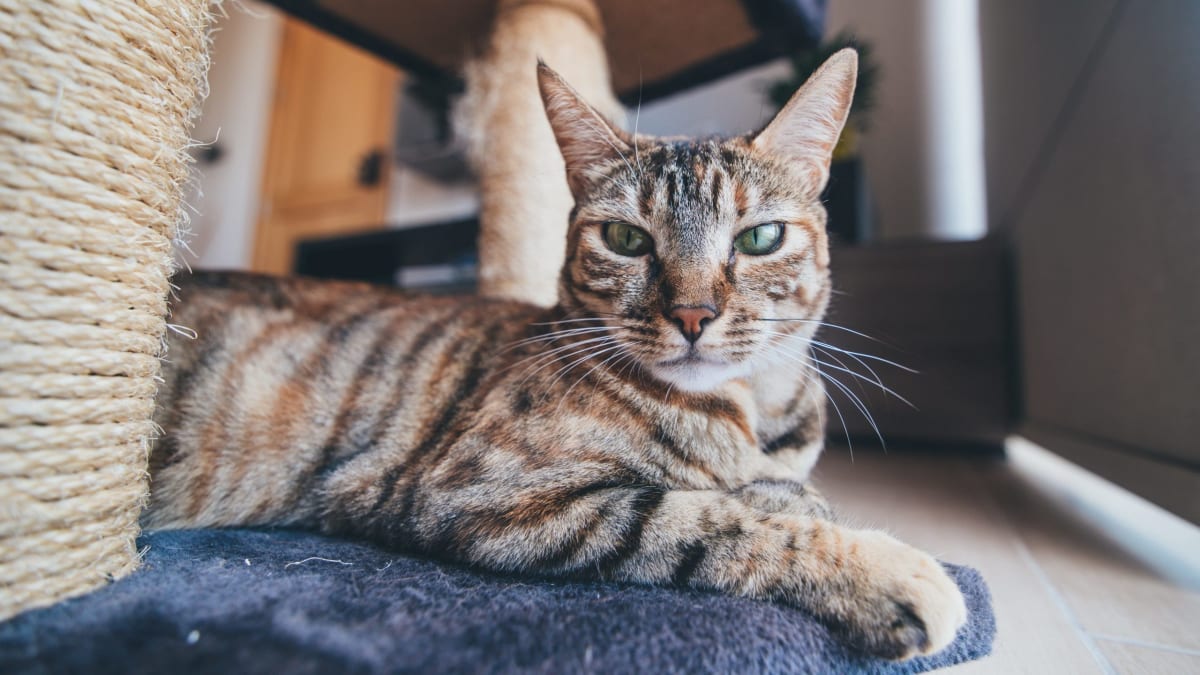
{"x": 584, "y": 136}
{"x": 806, "y": 130}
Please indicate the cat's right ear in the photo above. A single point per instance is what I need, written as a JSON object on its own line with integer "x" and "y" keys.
{"x": 584, "y": 137}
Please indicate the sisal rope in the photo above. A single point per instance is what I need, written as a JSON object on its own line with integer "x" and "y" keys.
{"x": 96, "y": 101}
{"x": 524, "y": 200}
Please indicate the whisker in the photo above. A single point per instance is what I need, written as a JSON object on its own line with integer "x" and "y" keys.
{"x": 555, "y": 323}
{"x": 558, "y": 374}
{"x": 556, "y": 335}
{"x": 858, "y": 378}
{"x": 824, "y": 347}
{"x": 868, "y": 380}
{"x": 619, "y": 355}
{"x": 837, "y": 409}
{"x": 854, "y": 400}
{"x": 869, "y": 356}
{"x": 562, "y": 347}
{"x": 862, "y": 408}
{"x": 831, "y": 325}
{"x": 546, "y": 358}
{"x": 877, "y": 381}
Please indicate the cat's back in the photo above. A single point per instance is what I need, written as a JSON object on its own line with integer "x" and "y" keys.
{"x": 310, "y": 372}
{"x": 243, "y": 319}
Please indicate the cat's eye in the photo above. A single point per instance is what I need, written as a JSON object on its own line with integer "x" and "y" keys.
{"x": 626, "y": 239}
{"x": 759, "y": 240}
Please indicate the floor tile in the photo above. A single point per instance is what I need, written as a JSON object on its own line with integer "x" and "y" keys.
{"x": 1128, "y": 659}
{"x": 1107, "y": 588}
{"x": 939, "y": 502}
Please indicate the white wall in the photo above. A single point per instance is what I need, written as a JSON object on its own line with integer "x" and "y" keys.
{"x": 236, "y": 114}
{"x": 924, "y": 151}
{"x": 733, "y": 105}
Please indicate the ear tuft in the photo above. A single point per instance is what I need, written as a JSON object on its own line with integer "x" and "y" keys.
{"x": 806, "y": 130}
{"x": 584, "y": 136}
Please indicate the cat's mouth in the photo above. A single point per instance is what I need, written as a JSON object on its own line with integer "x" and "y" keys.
{"x": 696, "y": 372}
{"x": 692, "y": 358}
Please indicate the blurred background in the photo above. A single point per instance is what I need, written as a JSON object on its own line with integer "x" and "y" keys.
{"x": 1014, "y": 207}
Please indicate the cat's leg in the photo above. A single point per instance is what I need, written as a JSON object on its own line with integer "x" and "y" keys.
{"x": 882, "y": 595}
{"x": 775, "y": 495}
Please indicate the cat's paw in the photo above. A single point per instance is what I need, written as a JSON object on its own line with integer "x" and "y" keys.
{"x": 900, "y": 602}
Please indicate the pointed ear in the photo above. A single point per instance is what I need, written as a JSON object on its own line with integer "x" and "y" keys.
{"x": 805, "y": 132}
{"x": 584, "y": 136}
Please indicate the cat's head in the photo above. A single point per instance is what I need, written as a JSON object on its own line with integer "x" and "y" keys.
{"x": 691, "y": 249}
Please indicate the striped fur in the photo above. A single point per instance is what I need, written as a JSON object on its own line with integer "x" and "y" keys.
{"x": 587, "y": 440}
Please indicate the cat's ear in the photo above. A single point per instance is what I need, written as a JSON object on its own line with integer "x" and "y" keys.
{"x": 584, "y": 136}
{"x": 806, "y": 130}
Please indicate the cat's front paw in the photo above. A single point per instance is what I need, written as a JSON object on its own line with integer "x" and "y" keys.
{"x": 900, "y": 602}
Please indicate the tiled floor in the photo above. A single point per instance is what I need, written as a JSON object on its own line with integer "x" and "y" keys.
{"x": 1084, "y": 578}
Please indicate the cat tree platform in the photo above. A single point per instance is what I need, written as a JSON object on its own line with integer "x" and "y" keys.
{"x": 654, "y": 48}
{"x": 251, "y": 601}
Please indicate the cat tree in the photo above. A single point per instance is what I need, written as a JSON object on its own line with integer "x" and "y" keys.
{"x": 96, "y": 101}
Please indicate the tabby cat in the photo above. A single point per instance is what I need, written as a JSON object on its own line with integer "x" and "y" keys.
{"x": 657, "y": 426}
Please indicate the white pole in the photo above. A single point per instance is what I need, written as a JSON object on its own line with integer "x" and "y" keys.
{"x": 954, "y": 120}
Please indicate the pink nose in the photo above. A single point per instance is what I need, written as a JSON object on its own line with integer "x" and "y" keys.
{"x": 692, "y": 320}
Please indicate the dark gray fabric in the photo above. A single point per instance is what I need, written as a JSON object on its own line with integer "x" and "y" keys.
{"x": 253, "y": 601}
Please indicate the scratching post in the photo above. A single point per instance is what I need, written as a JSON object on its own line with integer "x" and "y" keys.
{"x": 525, "y": 201}
{"x": 96, "y": 101}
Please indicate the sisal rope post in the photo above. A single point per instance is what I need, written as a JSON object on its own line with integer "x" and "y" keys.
{"x": 96, "y": 102}
{"x": 524, "y": 198}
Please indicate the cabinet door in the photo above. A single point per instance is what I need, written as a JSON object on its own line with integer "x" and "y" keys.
{"x": 329, "y": 150}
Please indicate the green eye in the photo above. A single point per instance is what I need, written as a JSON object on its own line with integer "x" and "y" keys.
{"x": 626, "y": 239}
{"x": 759, "y": 240}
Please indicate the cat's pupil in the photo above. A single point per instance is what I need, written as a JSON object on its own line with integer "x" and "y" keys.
{"x": 759, "y": 240}
{"x": 626, "y": 239}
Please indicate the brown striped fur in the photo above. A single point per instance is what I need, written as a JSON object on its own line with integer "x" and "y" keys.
{"x": 588, "y": 440}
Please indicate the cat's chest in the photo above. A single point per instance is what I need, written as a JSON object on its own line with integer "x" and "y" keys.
{"x": 717, "y": 446}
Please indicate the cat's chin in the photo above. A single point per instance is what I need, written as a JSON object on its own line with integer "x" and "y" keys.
{"x": 696, "y": 375}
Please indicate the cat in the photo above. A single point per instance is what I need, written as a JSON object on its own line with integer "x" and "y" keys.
{"x": 657, "y": 426}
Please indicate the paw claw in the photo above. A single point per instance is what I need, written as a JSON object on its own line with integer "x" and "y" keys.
{"x": 902, "y": 604}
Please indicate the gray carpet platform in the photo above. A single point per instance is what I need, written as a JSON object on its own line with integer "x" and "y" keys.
{"x": 256, "y": 601}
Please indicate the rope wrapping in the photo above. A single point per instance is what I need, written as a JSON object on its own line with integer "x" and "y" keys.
{"x": 97, "y": 98}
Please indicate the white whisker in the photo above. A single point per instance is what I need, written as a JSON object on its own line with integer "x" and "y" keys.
{"x": 837, "y": 409}
{"x": 558, "y": 374}
{"x": 555, "y": 335}
{"x": 621, "y": 353}
{"x": 854, "y": 400}
{"x": 826, "y": 324}
{"x": 555, "y": 323}
{"x": 543, "y": 359}
{"x": 876, "y": 382}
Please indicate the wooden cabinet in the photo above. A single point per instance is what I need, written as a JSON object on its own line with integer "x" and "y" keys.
{"x": 329, "y": 149}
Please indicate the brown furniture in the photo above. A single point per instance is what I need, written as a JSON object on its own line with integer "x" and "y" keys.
{"x": 327, "y": 158}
